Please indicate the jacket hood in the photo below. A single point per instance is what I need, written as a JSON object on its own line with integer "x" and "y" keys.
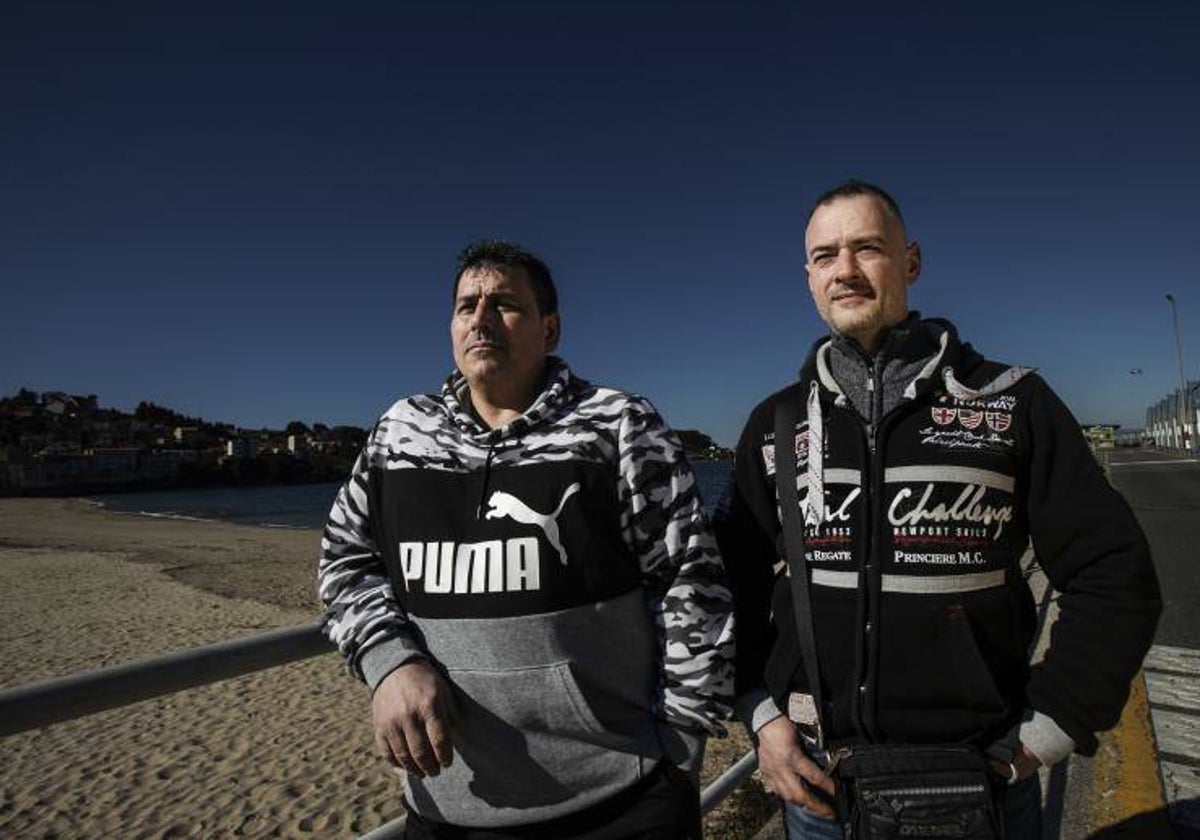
{"x": 953, "y": 360}
{"x": 559, "y": 389}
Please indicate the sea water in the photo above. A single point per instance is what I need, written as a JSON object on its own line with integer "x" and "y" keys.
{"x": 303, "y": 505}
{"x": 279, "y": 506}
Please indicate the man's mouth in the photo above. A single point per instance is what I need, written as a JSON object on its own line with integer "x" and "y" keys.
{"x": 852, "y": 295}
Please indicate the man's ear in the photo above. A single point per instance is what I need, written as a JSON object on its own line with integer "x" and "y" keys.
{"x": 913, "y": 255}
{"x": 552, "y": 325}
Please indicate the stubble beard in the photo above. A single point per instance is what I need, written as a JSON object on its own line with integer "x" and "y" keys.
{"x": 862, "y": 319}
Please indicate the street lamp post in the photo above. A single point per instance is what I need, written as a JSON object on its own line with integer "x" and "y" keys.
{"x": 1184, "y": 403}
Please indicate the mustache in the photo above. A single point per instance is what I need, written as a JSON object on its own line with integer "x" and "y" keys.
{"x": 843, "y": 289}
{"x": 485, "y": 341}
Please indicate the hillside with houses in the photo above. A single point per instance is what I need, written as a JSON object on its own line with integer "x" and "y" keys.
{"x": 60, "y": 444}
{"x": 55, "y": 443}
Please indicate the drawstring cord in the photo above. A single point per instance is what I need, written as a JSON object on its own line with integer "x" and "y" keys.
{"x": 816, "y": 458}
{"x": 1001, "y": 383}
{"x": 487, "y": 468}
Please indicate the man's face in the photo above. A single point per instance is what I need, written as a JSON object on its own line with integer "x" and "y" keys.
{"x": 859, "y": 267}
{"x": 500, "y": 337}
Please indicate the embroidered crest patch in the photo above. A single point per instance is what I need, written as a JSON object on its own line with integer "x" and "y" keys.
{"x": 768, "y": 451}
{"x": 970, "y": 418}
{"x": 768, "y": 456}
{"x": 942, "y": 415}
{"x": 998, "y": 421}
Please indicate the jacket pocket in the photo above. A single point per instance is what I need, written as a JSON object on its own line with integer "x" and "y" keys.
{"x": 936, "y": 683}
{"x": 536, "y": 699}
{"x": 528, "y": 740}
{"x": 584, "y": 716}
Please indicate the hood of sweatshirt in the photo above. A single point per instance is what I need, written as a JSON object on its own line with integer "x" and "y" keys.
{"x": 560, "y": 388}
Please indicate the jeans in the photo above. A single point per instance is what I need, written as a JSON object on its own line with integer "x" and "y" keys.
{"x": 664, "y": 805}
{"x": 1022, "y": 816}
{"x": 802, "y": 824}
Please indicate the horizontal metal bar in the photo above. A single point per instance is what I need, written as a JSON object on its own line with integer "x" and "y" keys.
{"x": 393, "y": 830}
{"x": 41, "y": 704}
{"x": 728, "y": 782}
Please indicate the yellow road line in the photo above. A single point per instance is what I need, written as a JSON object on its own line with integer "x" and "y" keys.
{"x": 1125, "y": 777}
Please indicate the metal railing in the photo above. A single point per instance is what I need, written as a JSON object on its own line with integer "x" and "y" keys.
{"x": 45, "y": 703}
{"x": 87, "y": 692}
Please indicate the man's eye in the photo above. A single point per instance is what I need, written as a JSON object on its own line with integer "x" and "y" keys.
{"x": 822, "y": 259}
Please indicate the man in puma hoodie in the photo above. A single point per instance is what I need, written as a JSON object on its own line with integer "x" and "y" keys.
{"x": 520, "y": 569}
{"x": 924, "y": 471}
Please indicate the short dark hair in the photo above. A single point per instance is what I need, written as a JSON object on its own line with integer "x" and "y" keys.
{"x": 854, "y": 187}
{"x": 498, "y": 255}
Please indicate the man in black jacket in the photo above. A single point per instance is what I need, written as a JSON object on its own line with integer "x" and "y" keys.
{"x": 924, "y": 471}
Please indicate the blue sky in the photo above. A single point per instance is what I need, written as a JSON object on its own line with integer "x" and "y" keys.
{"x": 251, "y": 211}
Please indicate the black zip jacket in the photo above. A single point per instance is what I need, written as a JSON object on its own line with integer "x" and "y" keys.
{"x": 923, "y": 620}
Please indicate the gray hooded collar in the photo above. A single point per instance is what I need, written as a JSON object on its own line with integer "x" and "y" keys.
{"x": 557, "y": 383}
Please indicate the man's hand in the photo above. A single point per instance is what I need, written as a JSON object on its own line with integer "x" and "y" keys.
{"x": 1024, "y": 765}
{"x": 788, "y": 770}
{"x": 413, "y": 713}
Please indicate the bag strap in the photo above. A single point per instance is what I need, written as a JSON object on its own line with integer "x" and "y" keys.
{"x": 787, "y": 415}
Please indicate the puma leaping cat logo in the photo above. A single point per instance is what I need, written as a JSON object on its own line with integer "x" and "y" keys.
{"x": 503, "y": 504}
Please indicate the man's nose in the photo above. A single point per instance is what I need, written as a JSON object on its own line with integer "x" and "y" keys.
{"x": 481, "y": 314}
{"x": 846, "y": 264}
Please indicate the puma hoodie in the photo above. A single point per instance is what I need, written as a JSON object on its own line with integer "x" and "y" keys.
{"x": 560, "y": 572}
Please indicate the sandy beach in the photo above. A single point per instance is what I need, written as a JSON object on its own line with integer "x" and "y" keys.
{"x": 280, "y": 753}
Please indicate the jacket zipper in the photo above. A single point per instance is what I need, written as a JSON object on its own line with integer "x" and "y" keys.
{"x": 873, "y": 490}
{"x": 873, "y": 486}
{"x": 930, "y": 790}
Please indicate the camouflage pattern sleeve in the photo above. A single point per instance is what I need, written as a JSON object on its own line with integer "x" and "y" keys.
{"x": 665, "y": 526}
{"x": 361, "y": 611}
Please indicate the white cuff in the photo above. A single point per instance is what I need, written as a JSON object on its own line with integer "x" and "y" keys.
{"x": 1045, "y": 739}
{"x": 756, "y": 709}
